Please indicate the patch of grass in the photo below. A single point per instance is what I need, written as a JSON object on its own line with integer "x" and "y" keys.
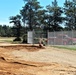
{"x": 6, "y": 39}
{"x": 66, "y": 47}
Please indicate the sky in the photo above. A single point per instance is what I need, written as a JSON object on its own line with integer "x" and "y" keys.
{"x": 12, "y": 7}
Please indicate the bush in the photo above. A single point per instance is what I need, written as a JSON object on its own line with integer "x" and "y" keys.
{"x": 24, "y": 37}
{"x": 17, "y": 39}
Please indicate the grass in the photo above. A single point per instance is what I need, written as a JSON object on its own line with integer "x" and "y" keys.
{"x": 8, "y": 40}
{"x": 69, "y": 47}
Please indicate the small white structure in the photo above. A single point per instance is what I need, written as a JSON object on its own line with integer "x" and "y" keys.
{"x": 30, "y": 37}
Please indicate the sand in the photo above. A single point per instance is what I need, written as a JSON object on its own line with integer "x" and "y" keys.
{"x": 24, "y": 59}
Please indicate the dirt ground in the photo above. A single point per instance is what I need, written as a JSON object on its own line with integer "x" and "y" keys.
{"x": 32, "y": 60}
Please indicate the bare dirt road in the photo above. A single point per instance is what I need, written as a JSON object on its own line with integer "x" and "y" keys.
{"x": 32, "y": 60}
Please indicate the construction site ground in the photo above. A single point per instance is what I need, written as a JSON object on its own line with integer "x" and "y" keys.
{"x": 22, "y": 59}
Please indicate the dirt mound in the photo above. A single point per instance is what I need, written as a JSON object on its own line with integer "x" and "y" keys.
{"x": 20, "y": 47}
{"x": 28, "y": 60}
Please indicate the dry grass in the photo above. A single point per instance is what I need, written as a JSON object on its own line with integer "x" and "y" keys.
{"x": 6, "y": 39}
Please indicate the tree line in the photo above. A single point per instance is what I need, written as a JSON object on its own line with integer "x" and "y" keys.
{"x": 52, "y": 17}
{"x": 35, "y": 17}
{"x": 10, "y": 31}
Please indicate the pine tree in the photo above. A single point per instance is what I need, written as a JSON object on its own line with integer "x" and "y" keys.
{"x": 29, "y": 13}
{"x": 70, "y": 12}
{"x": 54, "y": 17}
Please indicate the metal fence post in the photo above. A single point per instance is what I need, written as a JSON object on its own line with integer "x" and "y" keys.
{"x": 33, "y": 36}
{"x": 54, "y": 38}
{"x": 72, "y": 36}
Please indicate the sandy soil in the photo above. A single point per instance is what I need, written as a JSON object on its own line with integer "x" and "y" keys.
{"x": 32, "y": 60}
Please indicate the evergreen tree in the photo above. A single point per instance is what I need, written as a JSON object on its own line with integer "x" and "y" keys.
{"x": 70, "y": 12}
{"x": 54, "y": 16}
{"x": 17, "y": 25}
{"x": 30, "y": 13}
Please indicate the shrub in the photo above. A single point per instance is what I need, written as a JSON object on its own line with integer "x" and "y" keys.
{"x": 17, "y": 39}
{"x": 24, "y": 37}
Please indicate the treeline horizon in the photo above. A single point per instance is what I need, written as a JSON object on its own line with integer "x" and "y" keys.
{"x": 53, "y": 17}
{"x": 10, "y": 31}
{"x": 33, "y": 16}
